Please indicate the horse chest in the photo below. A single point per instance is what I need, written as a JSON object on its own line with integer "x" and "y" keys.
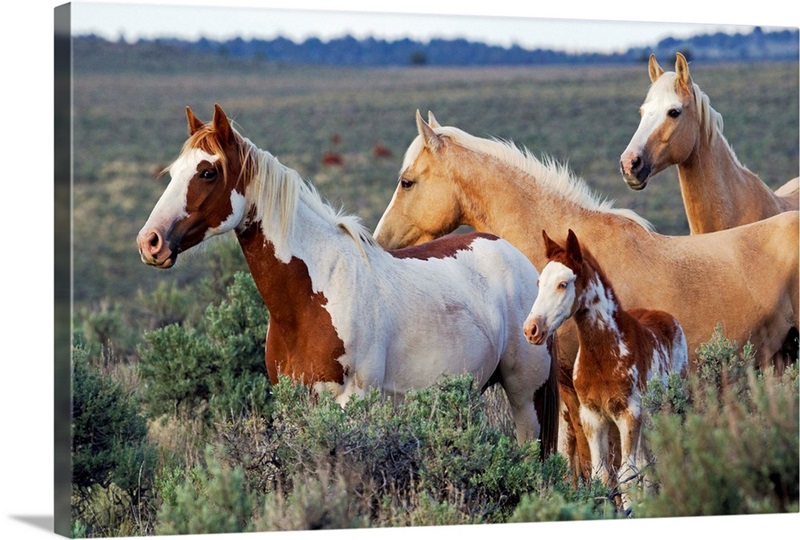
{"x": 605, "y": 386}
{"x": 302, "y": 341}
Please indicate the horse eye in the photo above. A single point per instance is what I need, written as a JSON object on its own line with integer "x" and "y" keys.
{"x": 562, "y": 285}
{"x": 208, "y": 174}
{"x": 674, "y": 113}
{"x": 406, "y": 184}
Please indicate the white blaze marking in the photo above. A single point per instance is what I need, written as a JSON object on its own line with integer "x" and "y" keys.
{"x": 172, "y": 204}
{"x": 659, "y": 100}
{"x": 553, "y": 305}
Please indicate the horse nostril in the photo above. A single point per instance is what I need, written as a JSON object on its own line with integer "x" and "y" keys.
{"x": 636, "y": 164}
{"x": 531, "y": 331}
{"x": 154, "y": 241}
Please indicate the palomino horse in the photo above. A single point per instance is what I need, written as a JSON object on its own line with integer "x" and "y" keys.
{"x": 679, "y": 127}
{"x": 745, "y": 278}
{"x": 345, "y": 315}
{"x": 619, "y": 352}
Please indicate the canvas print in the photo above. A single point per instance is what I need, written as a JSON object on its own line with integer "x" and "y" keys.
{"x": 330, "y": 270}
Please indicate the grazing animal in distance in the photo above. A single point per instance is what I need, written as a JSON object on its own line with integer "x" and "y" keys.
{"x": 679, "y": 127}
{"x": 619, "y": 352}
{"x": 345, "y": 314}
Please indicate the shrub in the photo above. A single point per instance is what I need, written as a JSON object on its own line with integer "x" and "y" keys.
{"x": 217, "y": 371}
{"x": 212, "y": 499}
{"x": 432, "y": 458}
{"x": 164, "y": 305}
{"x": 320, "y": 500}
{"x": 109, "y": 446}
{"x": 732, "y": 446}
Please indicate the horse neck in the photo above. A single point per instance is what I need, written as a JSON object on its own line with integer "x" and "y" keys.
{"x": 501, "y": 199}
{"x": 289, "y": 264}
{"x": 279, "y": 282}
{"x": 718, "y": 192}
{"x": 598, "y": 310}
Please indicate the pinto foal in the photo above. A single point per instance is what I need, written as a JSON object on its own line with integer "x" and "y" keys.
{"x": 619, "y": 352}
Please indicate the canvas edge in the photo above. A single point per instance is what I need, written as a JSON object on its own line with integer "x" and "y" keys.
{"x": 62, "y": 271}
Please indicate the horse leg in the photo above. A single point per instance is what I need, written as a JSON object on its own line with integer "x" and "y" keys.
{"x": 644, "y": 459}
{"x": 630, "y": 426}
{"x": 523, "y": 410}
{"x": 576, "y": 447}
{"x": 595, "y": 427}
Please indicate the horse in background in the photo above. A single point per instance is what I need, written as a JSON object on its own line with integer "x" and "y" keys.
{"x": 679, "y": 127}
{"x": 619, "y": 353}
{"x": 346, "y": 315}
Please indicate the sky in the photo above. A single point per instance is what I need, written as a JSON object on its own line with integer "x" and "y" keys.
{"x": 499, "y": 22}
{"x": 26, "y": 322}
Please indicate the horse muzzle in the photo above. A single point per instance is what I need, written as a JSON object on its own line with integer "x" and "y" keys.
{"x": 154, "y": 250}
{"x": 635, "y": 171}
{"x": 534, "y": 332}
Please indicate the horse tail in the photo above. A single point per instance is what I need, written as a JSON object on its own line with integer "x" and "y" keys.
{"x": 547, "y": 403}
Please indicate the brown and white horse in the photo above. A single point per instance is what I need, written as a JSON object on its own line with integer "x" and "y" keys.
{"x": 345, "y": 315}
{"x": 679, "y": 127}
{"x": 744, "y": 278}
{"x": 619, "y": 352}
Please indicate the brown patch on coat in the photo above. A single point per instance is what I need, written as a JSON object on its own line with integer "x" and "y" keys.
{"x": 441, "y": 248}
{"x": 302, "y": 342}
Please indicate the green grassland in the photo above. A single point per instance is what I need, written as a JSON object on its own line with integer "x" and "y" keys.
{"x": 129, "y": 123}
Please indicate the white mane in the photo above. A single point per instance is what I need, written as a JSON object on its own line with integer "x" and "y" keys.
{"x": 275, "y": 192}
{"x": 549, "y": 174}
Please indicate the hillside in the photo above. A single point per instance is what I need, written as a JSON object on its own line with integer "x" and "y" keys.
{"x": 758, "y": 45}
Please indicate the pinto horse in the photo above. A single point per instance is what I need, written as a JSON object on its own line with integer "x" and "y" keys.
{"x": 619, "y": 352}
{"x": 679, "y": 127}
{"x": 745, "y": 278}
{"x": 345, "y": 315}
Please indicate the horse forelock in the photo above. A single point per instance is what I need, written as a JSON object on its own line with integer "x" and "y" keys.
{"x": 546, "y": 172}
{"x": 206, "y": 139}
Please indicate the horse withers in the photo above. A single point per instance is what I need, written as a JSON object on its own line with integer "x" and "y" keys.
{"x": 619, "y": 352}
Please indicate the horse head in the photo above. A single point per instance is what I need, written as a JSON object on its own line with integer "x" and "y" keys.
{"x": 426, "y": 202}
{"x": 669, "y": 126}
{"x": 559, "y": 289}
{"x": 204, "y": 196}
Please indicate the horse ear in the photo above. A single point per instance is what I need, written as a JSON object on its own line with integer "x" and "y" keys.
{"x": 432, "y": 121}
{"x": 574, "y": 247}
{"x": 654, "y": 69}
{"x": 682, "y": 70}
{"x": 431, "y": 139}
{"x": 194, "y": 123}
{"x": 550, "y": 247}
{"x": 221, "y": 124}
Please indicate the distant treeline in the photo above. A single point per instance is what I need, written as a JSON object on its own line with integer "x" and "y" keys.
{"x": 757, "y": 45}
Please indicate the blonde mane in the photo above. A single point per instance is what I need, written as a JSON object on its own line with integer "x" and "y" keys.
{"x": 548, "y": 173}
{"x": 276, "y": 190}
{"x": 711, "y": 123}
